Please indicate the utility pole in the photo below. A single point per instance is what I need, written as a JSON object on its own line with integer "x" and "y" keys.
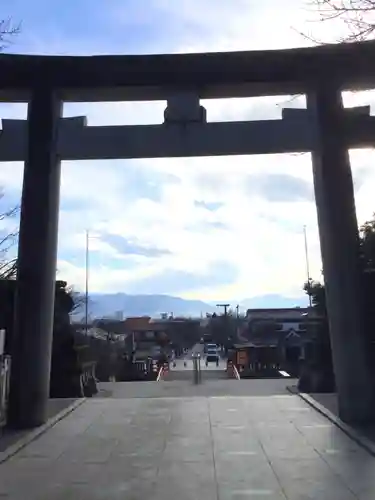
{"x": 237, "y": 320}
{"x": 225, "y": 306}
{"x": 87, "y": 283}
{"x": 307, "y": 266}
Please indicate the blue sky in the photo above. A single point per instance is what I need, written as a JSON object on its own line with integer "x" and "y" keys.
{"x": 213, "y": 228}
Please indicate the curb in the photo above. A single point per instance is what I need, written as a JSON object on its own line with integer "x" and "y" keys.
{"x": 35, "y": 433}
{"x": 355, "y": 435}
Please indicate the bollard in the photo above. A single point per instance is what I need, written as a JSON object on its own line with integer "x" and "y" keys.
{"x": 197, "y": 373}
{"x": 195, "y": 370}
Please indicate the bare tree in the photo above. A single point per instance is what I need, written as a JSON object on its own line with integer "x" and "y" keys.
{"x": 8, "y": 265}
{"x": 7, "y": 30}
{"x": 78, "y": 298}
{"x": 357, "y": 15}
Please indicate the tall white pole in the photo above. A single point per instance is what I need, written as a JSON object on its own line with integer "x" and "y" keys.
{"x": 307, "y": 263}
{"x": 87, "y": 283}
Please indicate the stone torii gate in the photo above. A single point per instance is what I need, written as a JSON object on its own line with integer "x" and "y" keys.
{"x": 325, "y": 128}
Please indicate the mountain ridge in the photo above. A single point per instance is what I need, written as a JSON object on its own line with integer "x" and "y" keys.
{"x": 122, "y": 304}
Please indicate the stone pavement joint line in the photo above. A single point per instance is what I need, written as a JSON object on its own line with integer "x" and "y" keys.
{"x": 209, "y": 448}
{"x": 23, "y": 438}
{"x": 350, "y": 431}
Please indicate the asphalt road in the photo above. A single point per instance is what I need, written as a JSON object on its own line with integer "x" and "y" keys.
{"x": 185, "y": 363}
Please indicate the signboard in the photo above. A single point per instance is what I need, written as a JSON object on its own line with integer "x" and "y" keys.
{"x": 242, "y": 358}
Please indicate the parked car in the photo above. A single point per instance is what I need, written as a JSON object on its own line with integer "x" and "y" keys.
{"x": 208, "y": 347}
{"x": 212, "y": 356}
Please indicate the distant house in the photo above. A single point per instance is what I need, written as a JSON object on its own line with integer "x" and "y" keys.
{"x": 143, "y": 333}
{"x": 280, "y": 322}
{"x": 287, "y": 329}
{"x": 281, "y": 314}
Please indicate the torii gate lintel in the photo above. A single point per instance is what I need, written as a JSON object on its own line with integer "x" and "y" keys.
{"x": 186, "y": 133}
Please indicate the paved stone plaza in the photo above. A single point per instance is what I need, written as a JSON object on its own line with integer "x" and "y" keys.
{"x": 208, "y": 448}
{"x": 209, "y": 387}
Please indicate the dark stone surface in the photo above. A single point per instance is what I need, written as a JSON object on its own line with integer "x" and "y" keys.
{"x": 129, "y": 77}
{"x": 36, "y": 264}
{"x": 316, "y": 370}
{"x": 66, "y": 362}
{"x": 340, "y": 249}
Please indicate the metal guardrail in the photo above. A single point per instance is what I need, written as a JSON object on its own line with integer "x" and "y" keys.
{"x": 5, "y": 363}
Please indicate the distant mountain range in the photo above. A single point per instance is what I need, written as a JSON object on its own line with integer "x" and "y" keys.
{"x": 273, "y": 301}
{"x": 107, "y": 305}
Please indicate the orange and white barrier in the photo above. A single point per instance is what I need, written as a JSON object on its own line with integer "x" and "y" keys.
{"x": 236, "y": 374}
{"x": 233, "y": 371}
{"x": 162, "y": 371}
{"x": 160, "y": 374}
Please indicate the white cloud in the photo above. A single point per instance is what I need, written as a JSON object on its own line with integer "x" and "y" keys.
{"x": 153, "y": 201}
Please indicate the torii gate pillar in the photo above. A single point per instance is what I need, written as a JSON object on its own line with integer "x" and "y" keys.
{"x": 339, "y": 243}
{"x": 37, "y": 254}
